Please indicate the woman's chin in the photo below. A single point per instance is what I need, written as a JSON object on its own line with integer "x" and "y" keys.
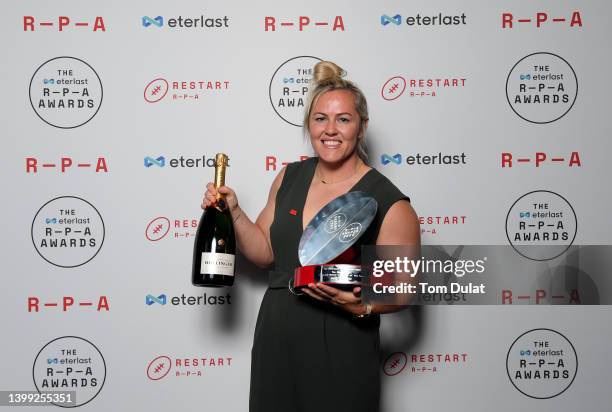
{"x": 332, "y": 155}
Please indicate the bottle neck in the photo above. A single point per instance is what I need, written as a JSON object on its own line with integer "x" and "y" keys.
{"x": 219, "y": 175}
{"x": 220, "y": 167}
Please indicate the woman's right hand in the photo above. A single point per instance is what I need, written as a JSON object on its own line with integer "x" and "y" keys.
{"x": 231, "y": 200}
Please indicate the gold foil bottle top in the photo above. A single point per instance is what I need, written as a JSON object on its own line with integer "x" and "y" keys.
{"x": 221, "y": 161}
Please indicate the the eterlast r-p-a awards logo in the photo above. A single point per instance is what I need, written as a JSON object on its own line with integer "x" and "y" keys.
{"x": 70, "y": 363}
{"x": 65, "y": 92}
{"x": 289, "y": 87}
{"x": 68, "y": 231}
{"x": 541, "y": 87}
{"x": 542, "y": 363}
{"x": 541, "y": 225}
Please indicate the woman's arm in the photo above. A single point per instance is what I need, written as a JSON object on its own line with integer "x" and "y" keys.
{"x": 400, "y": 227}
{"x": 253, "y": 239}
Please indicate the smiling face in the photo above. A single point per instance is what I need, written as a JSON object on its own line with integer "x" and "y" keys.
{"x": 334, "y": 126}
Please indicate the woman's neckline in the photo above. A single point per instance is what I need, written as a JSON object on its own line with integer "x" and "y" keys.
{"x": 310, "y": 178}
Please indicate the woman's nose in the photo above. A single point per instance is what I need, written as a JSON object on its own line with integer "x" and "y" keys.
{"x": 330, "y": 128}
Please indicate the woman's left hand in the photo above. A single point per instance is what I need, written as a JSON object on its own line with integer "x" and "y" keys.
{"x": 347, "y": 300}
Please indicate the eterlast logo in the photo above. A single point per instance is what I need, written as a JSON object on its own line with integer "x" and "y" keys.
{"x": 181, "y": 22}
{"x": 439, "y": 159}
{"x": 180, "y": 162}
{"x": 183, "y": 300}
{"x": 440, "y": 19}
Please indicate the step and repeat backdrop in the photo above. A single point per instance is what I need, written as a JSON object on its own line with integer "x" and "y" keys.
{"x": 492, "y": 118}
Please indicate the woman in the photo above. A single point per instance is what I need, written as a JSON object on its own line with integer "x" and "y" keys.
{"x": 318, "y": 351}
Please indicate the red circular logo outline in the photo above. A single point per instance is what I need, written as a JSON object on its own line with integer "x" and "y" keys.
{"x": 153, "y": 361}
{"x": 149, "y": 225}
{"x": 162, "y": 96}
{"x": 382, "y": 91}
{"x": 402, "y": 356}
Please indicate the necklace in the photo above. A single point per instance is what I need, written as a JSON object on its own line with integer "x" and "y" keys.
{"x": 327, "y": 182}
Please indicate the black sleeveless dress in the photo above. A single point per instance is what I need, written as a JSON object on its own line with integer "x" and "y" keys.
{"x": 309, "y": 355}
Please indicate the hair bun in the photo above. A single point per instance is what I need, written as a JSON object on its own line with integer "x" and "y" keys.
{"x": 327, "y": 72}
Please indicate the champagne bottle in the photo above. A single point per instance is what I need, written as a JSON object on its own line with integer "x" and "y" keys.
{"x": 214, "y": 249}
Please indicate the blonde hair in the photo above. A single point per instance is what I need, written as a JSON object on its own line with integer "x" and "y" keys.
{"x": 328, "y": 76}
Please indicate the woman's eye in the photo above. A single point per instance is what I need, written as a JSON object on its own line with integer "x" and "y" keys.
{"x": 344, "y": 120}
{"x": 319, "y": 119}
